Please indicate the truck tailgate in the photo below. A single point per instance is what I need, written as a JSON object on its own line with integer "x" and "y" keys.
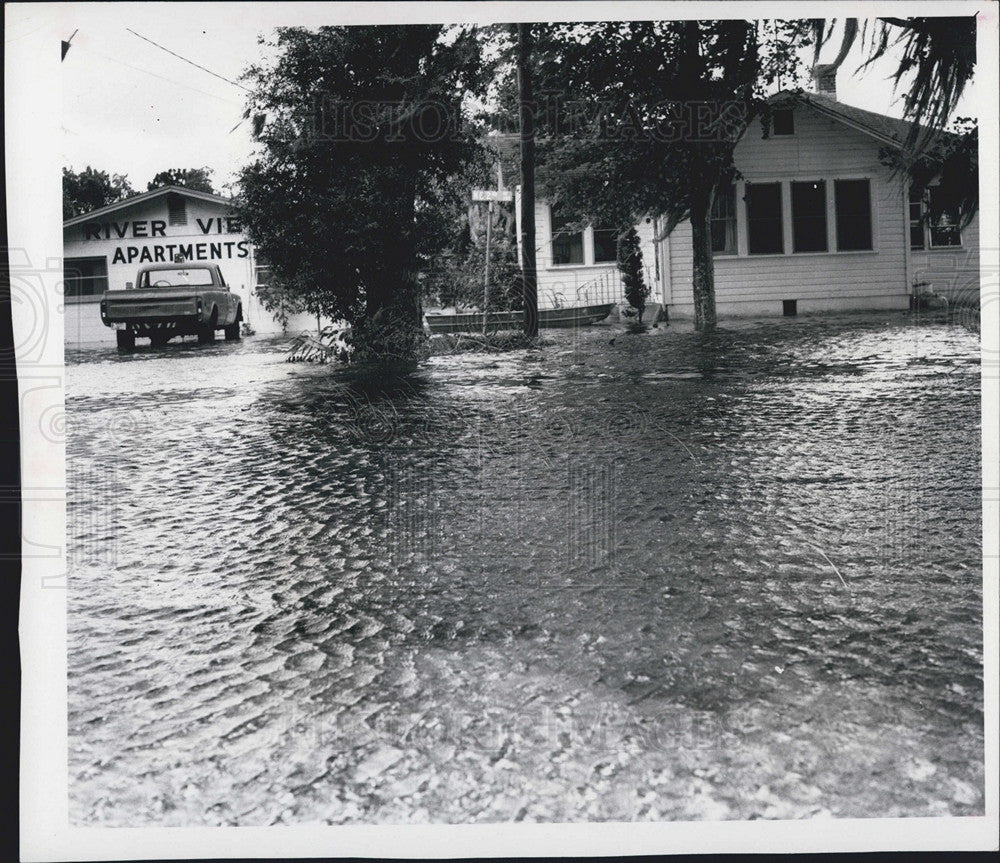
{"x": 132, "y": 305}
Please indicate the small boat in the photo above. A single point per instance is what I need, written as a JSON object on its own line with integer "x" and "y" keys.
{"x": 440, "y": 323}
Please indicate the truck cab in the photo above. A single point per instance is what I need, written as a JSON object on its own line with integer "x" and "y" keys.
{"x": 177, "y": 299}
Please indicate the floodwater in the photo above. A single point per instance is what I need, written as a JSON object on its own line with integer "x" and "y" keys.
{"x": 665, "y": 576}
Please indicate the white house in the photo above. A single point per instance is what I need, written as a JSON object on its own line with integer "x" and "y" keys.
{"x": 104, "y": 248}
{"x": 817, "y": 223}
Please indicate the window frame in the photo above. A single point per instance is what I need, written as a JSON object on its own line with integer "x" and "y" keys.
{"x": 553, "y": 233}
{"x": 872, "y": 244}
{"x": 257, "y": 268}
{"x": 594, "y": 231}
{"x": 929, "y": 229}
{"x": 920, "y": 223}
{"x": 732, "y": 217}
{"x": 774, "y": 130}
{"x": 779, "y": 184}
{"x": 88, "y": 297}
{"x": 589, "y": 245}
{"x": 822, "y": 183}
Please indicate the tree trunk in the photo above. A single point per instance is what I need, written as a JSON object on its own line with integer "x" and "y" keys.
{"x": 392, "y": 328}
{"x": 703, "y": 275}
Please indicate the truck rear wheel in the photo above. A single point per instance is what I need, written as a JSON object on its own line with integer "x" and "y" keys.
{"x": 126, "y": 341}
{"x": 233, "y": 330}
{"x": 206, "y": 332}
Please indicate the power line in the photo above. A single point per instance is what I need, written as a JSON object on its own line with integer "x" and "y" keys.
{"x": 160, "y": 77}
{"x": 185, "y": 59}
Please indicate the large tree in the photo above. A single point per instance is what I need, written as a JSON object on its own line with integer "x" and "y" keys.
{"x": 199, "y": 179}
{"x": 648, "y": 116}
{"x": 91, "y": 189}
{"x": 359, "y": 130}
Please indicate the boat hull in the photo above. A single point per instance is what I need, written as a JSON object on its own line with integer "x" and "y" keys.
{"x": 472, "y": 322}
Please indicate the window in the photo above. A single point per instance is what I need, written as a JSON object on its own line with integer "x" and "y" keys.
{"x": 567, "y": 246}
{"x": 928, "y": 231}
{"x": 196, "y": 277}
{"x": 176, "y": 209}
{"x": 916, "y": 208}
{"x": 85, "y": 277}
{"x": 764, "y": 226}
{"x": 809, "y": 217}
{"x": 262, "y": 274}
{"x": 723, "y": 221}
{"x": 853, "y": 202}
{"x": 783, "y": 122}
{"x": 605, "y": 245}
{"x": 943, "y": 230}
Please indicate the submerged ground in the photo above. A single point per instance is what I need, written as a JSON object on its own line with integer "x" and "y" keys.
{"x": 661, "y": 576}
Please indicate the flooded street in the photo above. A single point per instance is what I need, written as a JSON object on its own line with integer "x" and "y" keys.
{"x": 665, "y": 576}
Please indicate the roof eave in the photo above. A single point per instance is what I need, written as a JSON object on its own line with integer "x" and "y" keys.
{"x": 859, "y": 127}
{"x": 827, "y": 111}
{"x": 143, "y": 197}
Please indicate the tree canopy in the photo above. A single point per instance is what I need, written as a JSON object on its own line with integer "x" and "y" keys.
{"x": 360, "y": 129}
{"x": 199, "y": 179}
{"x": 648, "y": 116}
{"x": 91, "y": 189}
{"x": 363, "y": 130}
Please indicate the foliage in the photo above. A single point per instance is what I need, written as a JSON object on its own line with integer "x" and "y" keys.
{"x": 331, "y": 345}
{"x": 648, "y": 116}
{"x": 491, "y": 343}
{"x": 938, "y": 59}
{"x": 951, "y": 161}
{"x": 630, "y": 265}
{"x": 199, "y": 179}
{"x": 279, "y": 301}
{"x": 91, "y": 189}
{"x": 455, "y": 273}
{"x": 360, "y": 129}
{"x": 457, "y": 278}
{"x": 939, "y": 52}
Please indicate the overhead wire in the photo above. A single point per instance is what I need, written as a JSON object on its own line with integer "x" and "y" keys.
{"x": 191, "y": 62}
{"x": 154, "y": 75}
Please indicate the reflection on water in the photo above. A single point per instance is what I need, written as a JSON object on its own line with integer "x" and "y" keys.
{"x": 672, "y": 575}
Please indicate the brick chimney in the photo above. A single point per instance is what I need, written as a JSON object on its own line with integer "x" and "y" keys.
{"x": 825, "y": 79}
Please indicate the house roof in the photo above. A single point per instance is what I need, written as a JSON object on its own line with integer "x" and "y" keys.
{"x": 147, "y": 196}
{"x": 888, "y": 130}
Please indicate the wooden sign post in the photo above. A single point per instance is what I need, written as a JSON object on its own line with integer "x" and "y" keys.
{"x": 490, "y": 196}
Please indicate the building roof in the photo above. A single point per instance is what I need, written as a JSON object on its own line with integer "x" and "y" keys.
{"x": 147, "y": 196}
{"x": 888, "y": 130}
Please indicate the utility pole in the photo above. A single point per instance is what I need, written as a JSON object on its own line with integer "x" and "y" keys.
{"x": 529, "y": 278}
{"x": 486, "y": 283}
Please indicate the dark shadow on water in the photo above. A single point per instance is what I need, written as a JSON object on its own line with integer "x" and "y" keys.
{"x": 378, "y": 381}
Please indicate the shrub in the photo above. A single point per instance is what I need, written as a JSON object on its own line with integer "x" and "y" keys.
{"x": 630, "y": 266}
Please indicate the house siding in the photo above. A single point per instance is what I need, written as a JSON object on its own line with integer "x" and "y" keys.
{"x": 821, "y": 149}
{"x": 950, "y": 272}
{"x": 580, "y": 284}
